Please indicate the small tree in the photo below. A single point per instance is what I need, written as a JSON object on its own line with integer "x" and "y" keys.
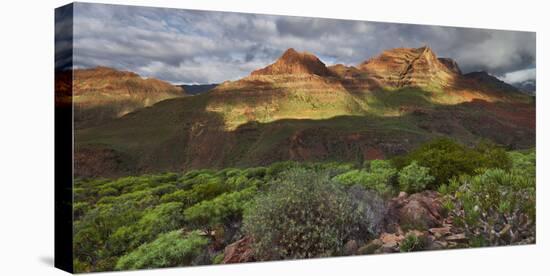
{"x": 414, "y": 178}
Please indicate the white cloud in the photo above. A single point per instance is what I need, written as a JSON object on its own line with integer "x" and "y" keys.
{"x": 519, "y": 76}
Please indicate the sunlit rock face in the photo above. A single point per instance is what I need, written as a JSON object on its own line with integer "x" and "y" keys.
{"x": 101, "y": 94}
{"x": 417, "y": 67}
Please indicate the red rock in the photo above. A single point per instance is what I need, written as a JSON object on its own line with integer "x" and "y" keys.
{"x": 402, "y": 67}
{"x": 440, "y": 231}
{"x": 461, "y": 237}
{"x": 390, "y": 240}
{"x": 239, "y": 252}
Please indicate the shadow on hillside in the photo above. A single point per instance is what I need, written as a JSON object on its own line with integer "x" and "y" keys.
{"x": 179, "y": 134}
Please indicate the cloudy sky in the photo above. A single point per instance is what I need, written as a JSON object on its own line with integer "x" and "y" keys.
{"x": 184, "y": 46}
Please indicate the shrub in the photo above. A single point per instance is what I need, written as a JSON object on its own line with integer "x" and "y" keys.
{"x": 453, "y": 185}
{"x": 280, "y": 167}
{"x": 108, "y": 191}
{"x": 220, "y": 209}
{"x": 218, "y": 259}
{"x": 303, "y": 215}
{"x": 523, "y": 163}
{"x": 160, "y": 219}
{"x": 381, "y": 177}
{"x": 163, "y": 189}
{"x": 80, "y": 208}
{"x": 447, "y": 159}
{"x": 177, "y": 196}
{"x": 497, "y": 207}
{"x": 412, "y": 242}
{"x": 414, "y": 178}
{"x": 491, "y": 155}
{"x": 169, "y": 249}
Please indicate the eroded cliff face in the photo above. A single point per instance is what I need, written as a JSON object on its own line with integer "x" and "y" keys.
{"x": 418, "y": 67}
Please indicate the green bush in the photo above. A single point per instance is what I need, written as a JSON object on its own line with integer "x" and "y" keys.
{"x": 380, "y": 176}
{"x": 169, "y": 249}
{"x": 447, "y": 159}
{"x": 80, "y": 208}
{"x": 490, "y": 155}
{"x": 303, "y": 215}
{"x": 160, "y": 219}
{"x": 108, "y": 191}
{"x": 225, "y": 207}
{"x": 218, "y": 259}
{"x": 523, "y": 162}
{"x": 414, "y": 178}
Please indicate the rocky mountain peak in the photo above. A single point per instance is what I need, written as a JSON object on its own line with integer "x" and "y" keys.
{"x": 402, "y": 67}
{"x": 451, "y": 65}
{"x": 294, "y": 62}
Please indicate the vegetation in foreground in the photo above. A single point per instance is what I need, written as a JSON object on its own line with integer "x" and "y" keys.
{"x": 292, "y": 210}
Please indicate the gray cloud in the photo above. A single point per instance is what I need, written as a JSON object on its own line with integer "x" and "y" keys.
{"x": 185, "y": 46}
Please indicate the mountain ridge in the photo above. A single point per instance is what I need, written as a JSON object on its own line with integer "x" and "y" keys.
{"x": 293, "y": 109}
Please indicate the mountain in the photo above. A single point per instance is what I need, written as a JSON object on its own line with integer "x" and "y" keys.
{"x": 451, "y": 65}
{"x": 295, "y": 63}
{"x": 297, "y": 108}
{"x": 195, "y": 89}
{"x": 296, "y": 85}
{"x": 528, "y": 87}
{"x": 404, "y": 67}
{"x": 101, "y": 94}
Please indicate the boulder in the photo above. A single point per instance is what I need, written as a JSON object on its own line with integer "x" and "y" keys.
{"x": 439, "y": 232}
{"x": 390, "y": 242}
{"x": 239, "y": 252}
{"x": 418, "y": 211}
{"x": 370, "y": 248}
{"x": 350, "y": 248}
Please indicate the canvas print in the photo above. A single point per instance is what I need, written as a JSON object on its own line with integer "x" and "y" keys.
{"x": 203, "y": 138}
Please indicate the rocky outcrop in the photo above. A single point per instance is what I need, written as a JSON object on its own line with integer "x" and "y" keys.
{"x": 420, "y": 215}
{"x": 451, "y": 65}
{"x": 239, "y": 252}
{"x": 418, "y": 211}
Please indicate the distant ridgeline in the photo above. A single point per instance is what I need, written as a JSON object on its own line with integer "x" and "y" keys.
{"x": 195, "y": 89}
